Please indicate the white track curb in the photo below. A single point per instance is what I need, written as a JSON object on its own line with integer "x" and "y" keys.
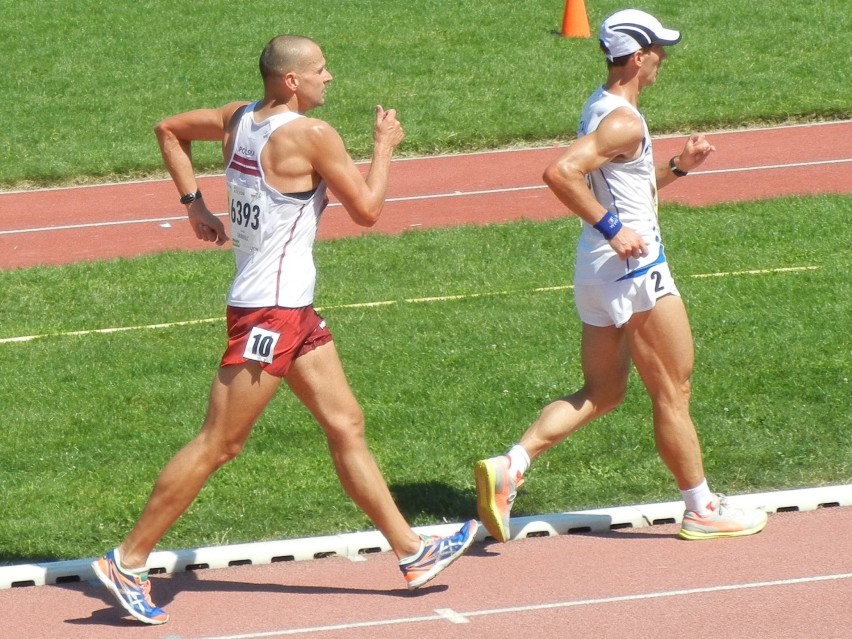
{"x": 353, "y": 545}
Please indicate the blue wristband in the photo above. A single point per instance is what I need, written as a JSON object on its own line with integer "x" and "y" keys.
{"x": 608, "y": 225}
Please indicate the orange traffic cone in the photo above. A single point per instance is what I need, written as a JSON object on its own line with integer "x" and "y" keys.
{"x": 575, "y": 22}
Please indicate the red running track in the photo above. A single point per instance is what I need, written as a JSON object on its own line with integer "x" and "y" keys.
{"x": 794, "y": 580}
{"x": 90, "y": 223}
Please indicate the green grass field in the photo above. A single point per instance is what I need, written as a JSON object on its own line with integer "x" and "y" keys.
{"x": 86, "y": 81}
{"x": 90, "y": 419}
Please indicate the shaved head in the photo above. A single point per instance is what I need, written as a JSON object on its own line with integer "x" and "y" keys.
{"x": 283, "y": 54}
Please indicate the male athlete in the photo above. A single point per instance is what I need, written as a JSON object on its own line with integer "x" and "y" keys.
{"x": 628, "y": 303}
{"x": 279, "y": 165}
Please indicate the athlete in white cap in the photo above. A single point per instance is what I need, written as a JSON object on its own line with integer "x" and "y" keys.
{"x": 629, "y": 305}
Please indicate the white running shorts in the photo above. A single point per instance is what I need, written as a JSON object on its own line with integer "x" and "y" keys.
{"x": 614, "y": 303}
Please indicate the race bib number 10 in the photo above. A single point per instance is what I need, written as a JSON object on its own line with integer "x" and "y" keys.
{"x": 260, "y": 346}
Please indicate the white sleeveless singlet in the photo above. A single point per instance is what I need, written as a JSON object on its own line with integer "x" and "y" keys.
{"x": 626, "y": 189}
{"x": 272, "y": 233}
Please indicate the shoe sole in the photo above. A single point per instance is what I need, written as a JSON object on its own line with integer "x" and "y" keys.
{"x": 106, "y": 581}
{"x": 486, "y": 504}
{"x": 695, "y": 535}
{"x": 444, "y": 563}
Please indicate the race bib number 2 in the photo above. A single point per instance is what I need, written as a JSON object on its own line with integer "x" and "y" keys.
{"x": 260, "y": 345}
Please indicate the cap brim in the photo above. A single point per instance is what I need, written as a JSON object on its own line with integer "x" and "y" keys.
{"x": 667, "y": 37}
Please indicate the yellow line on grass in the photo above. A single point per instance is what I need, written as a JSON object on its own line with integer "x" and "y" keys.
{"x": 413, "y": 300}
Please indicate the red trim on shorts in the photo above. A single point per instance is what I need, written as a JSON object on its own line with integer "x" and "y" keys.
{"x": 300, "y": 331}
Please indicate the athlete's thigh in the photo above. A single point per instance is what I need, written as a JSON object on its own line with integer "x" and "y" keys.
{"x": 661, "y": 342}
{"x": 238, "y": 395}
{"x": 319, "y": 382}
{"x": 605, "y": 358}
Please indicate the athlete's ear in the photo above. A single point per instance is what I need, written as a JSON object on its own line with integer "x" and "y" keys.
{"x": 291, "y": 80}
{"x": 640, "y": 55}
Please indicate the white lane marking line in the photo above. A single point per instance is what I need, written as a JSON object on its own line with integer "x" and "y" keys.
{"x": 89, "y": 225}
{"x": 410, "y": 300}
{"x": 767, "y": 167}
{"x": 343, "y": 626}
{"x": 451, "y": 615}
{"x": 162, "y": 221}
{"x": 441, "y": 616}
{"x": 166, "y": 220}
{"x": 663, "y": 594}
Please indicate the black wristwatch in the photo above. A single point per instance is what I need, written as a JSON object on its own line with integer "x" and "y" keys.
{"x": 676, "y": 170}
{"x": 190, "y": 197}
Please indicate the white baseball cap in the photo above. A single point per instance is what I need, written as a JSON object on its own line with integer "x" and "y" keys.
{"x": 627, "y": 31}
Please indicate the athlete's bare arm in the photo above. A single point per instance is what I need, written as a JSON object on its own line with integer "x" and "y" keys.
{"x": 175, "y": 136}
{"x": 618, "y": 137}
{"x": 696, "y": 149}
{"x": 312, "y": 149}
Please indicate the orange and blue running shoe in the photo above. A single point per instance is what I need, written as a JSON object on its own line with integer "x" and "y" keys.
{"x": 722, "y": 521}
{"x": 133, "y": 591}
{"x": 495, "y": 492}
{"x": 436, "y": 553}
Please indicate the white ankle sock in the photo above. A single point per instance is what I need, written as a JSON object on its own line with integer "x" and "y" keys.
{"x": 415, "y": 555}
{"x": 135, "y": 571}
{"x": 519, "y": 461}
{"x": 698, "y": 499}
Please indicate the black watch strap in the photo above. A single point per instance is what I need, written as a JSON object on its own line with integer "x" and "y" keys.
{"x": 676, "y": 170}
{"x": 190, "y": 197}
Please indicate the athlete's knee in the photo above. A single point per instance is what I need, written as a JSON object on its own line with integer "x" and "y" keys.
{"x": 228, "y": 451}
{"x": 673, "y": 397}
{"x": 346, "y": 429}
{"x": 606, "y": 399}
{"x": 218, "y": 450}
{"x": 679, "y": 389}
{"x": 604, "y": 407}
